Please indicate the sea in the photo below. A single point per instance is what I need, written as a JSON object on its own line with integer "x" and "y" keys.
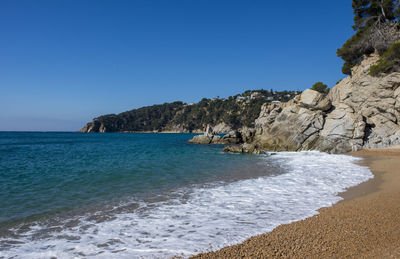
{"x": 141, "y": 195}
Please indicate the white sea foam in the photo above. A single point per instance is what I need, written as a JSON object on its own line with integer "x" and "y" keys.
{"x": 206, "y": 218}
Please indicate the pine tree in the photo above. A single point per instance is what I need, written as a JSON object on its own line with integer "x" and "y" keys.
{"x": 373, "y": 23}
{"x": 320, "y": 87}
{"x": 368, "y": 12}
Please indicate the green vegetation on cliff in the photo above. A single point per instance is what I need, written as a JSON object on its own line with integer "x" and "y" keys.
{"x": 235, "y": 111}
{"x": 320, "y": 87}
{"x": 389, "y": 61}
{"x": 376, "y": 30}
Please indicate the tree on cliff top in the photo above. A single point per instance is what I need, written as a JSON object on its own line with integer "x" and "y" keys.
{"x": 320, "y": 87}
{"x": 376, "y": 30}
{"x": 368, "y": 12}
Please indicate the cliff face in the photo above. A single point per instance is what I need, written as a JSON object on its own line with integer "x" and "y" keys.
{"x": 359, "y": 112}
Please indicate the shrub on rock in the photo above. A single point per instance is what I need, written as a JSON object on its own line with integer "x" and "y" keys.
{"x": 319, "y": 87}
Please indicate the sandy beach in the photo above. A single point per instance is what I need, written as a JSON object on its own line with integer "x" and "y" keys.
{"x": 366, "y": 224}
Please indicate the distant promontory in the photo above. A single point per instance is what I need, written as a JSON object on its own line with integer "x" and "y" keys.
{"x": 223, "y": 114}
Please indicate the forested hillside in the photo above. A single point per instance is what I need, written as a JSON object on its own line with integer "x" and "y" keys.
{"x": 230, "y": 113}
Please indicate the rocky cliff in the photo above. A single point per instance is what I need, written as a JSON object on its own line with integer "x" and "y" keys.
{"x": 361, "y": 111}
{"x": 211, "y": 136}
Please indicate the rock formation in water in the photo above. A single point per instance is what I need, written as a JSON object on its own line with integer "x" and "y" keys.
{"x": 211, "y": 137}
{"x": 361, "y": 111}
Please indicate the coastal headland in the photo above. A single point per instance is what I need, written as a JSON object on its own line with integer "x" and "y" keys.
{"x": 360, "y": 112}
{"x": 364, "y": 225}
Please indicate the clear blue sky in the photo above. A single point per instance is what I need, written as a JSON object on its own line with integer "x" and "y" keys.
{"x": 62, "y": 63}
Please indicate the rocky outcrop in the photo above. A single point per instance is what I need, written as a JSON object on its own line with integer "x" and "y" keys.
{"x": 232, "y": 137}
{"x": 244, "y": 148}
{"x": 222, "y": 128}
{"x": 212, "y": 137}
{"x": 207, "y": 138}
{"x": 94, "y": 126}
{"x": 359, "y": 112}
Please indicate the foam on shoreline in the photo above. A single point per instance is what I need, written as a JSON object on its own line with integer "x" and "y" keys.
{"x": 203, "y": 218}
{"x": 364, "y": 225}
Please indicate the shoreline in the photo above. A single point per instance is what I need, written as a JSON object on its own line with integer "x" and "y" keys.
{"x": 367, "y": 187}
{"x": 364, "y": 224}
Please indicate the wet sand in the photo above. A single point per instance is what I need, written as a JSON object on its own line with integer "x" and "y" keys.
{"x": 366, "y": 224}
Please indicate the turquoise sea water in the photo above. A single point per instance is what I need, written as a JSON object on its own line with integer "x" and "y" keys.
{"x": 76, "y": 195}
{"x": 48, "y": 172}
